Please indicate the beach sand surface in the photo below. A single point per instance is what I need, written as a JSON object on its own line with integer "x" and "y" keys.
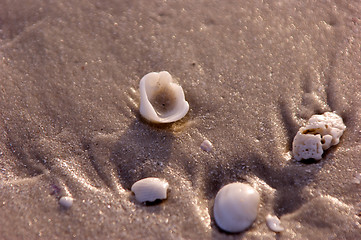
{"x": 253, "y": 73}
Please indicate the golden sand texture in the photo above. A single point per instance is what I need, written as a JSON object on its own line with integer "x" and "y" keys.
{"x": 252, "y": 72}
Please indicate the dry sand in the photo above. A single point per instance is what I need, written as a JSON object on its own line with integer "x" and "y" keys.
{"x": 253, "y": 72}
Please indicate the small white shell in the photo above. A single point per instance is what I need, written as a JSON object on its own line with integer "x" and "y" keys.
{"x": 161, "y": 99}
{"x": 150, "y": 189}
{"x": 236, "y": 207}
{"x": 66, "y": 201}
{"x": 206, "y": 145}
{"x": 274, "y": 224}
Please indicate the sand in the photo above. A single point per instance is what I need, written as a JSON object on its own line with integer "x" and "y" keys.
{"x": 253, "y": 72}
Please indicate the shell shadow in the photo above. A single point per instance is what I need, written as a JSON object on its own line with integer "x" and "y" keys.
{"x": 142, "y": 151}
{"x": 289, "y": 181}
{"x": 150, "y": 207}
{"x": 290, "y": 124}
{"x": 218, "y": 174}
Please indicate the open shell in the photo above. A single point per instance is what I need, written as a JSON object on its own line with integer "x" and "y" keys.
{"x": 236, "y": 207}
{"x": 161, "y": 99}
{"x": 150, "y": 189}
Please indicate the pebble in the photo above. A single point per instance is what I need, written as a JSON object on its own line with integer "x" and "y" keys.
{"x": 235, "y": 207}
{"x": 206, "y": 145}
{"x": 66, "y": 201}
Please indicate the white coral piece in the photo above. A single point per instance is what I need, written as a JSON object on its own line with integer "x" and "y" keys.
{"x": 328, "y": 123}
{"x": 307, "y": 146}
{"x": 320, "y": 133}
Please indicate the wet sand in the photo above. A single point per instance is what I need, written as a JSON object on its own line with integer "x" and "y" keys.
{"x": 253, "y": 73}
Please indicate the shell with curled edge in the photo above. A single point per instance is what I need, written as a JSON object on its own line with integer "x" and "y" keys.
{"x": 150, "y": 189}
{"x": 236, "y": 207}
{"x": 161, "y": 99}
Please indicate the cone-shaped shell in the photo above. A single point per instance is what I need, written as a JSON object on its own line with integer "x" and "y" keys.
{"x": 161, "y": 99}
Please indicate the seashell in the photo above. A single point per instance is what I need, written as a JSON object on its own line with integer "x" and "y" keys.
{"x": 150, "y": 189}
{"x": 206, "y": 145}
{"x": 274, "y": 223}
{"x": 66, "y": 201}
{"x": 161, "y": 99}
{"x": 236, "y": 207}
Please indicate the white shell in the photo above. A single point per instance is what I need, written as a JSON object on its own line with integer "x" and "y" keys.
{"x": 161, "y": 99}
{"x": 66, "y": 201}
{"x": 320, "y": 133}
{"x": 150, "y": 189}
{"x": 274, "y": 223}
{"x": 236, "y": 207}
{"x": 206, "y": 145}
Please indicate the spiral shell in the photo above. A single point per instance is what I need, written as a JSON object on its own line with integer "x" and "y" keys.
{"x": 161, "y": 99}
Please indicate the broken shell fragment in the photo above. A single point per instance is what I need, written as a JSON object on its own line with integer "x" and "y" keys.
{"x": 161, "y": 99}
{"x": 150, "y": 189}
{"x": 274, "y": 224}
{"x": 320, "y": 133}
{"x": 236, "y": 207}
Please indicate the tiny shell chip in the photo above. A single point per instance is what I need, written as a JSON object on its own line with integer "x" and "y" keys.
{"x": 161, "y": 99}
{"x": 357, "y": 179}
{"x": 66, "y": 201}
{"x": 236, "y": 207}
{"x": 206, "y": 145}
{"x": 274, "y": 223}
{"x": 150, "y": 189}
{"x": 321, "y": 130}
